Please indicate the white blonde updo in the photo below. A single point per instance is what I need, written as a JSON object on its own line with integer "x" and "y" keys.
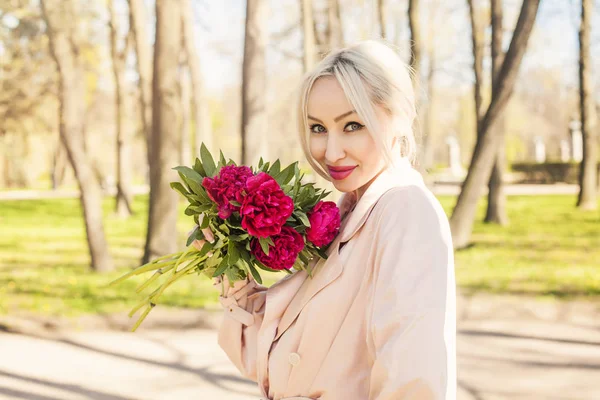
{"x": 371, "y": 74}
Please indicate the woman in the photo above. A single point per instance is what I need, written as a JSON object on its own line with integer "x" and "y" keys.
{"x": 377, "y": 320}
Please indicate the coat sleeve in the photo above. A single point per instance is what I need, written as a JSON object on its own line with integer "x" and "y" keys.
{"x": 411, "y": 309}
{"x": 244, "y": 306}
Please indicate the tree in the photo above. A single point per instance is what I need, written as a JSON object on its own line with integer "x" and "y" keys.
{"x": 496, "y": 208}
{"x": 161, "y": 235}
{"x": 254, "y": 83}
{"x": 202, "y": 123}
{"x": 382, "y": 17}
{"x": 415, "y": 43}
{"x": 334, "y": 26}
{"x": 478, "y": 47}
{"x": 308, "y": 32}
{"x": 61, "y": 20}
{"x": 138, "y": 21}
{"x": 588, "y": 181}
{"x": 124, "y": 197}
{"x": 483, "y": 157}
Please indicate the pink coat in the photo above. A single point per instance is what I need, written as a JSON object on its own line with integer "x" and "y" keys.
{"x": 376, "y": 321}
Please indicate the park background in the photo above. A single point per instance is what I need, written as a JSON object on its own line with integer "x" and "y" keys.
{"x": 100, "y": 99}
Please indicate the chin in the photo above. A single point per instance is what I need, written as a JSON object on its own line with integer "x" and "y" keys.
{"x": 345, "y": 187}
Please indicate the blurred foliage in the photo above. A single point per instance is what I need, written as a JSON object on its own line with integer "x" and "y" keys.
{"x": 549, "y": 172}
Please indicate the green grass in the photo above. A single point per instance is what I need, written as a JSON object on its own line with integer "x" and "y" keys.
{"x": 550, "y": 248}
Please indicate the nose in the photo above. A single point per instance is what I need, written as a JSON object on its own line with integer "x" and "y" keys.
{"x": 335, "y": 148}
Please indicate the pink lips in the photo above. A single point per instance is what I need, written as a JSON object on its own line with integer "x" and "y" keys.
{"x": 339, "y": 173}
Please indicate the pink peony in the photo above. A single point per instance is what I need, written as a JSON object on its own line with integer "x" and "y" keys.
{"x": 266, "y": 207}
{"x": 283, "y": 254}
{"x": 228, "y": 185}
{"x": 324, "y": 223}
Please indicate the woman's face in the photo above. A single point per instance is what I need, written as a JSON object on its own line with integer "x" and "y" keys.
{"x": 339, "y": 140}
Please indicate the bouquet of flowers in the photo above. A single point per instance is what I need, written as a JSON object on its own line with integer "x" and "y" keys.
{"x": 261, "y": 219}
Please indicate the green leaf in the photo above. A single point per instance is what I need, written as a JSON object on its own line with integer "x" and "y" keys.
{"x": 192, "y": 236}
{"x": 255, "y": 273}
{"x": 189, "y": 173}
{"x": 224, "y": 228}
{"x": 222, "y": 267}
{"x": 260, "y": 163}
{"x": 207, "y": 161}
{"x": 199, "y": 168}
{"x": 285, "y": 176}
{"x": 265, "y": 167}
{"x": 205, "y": 249}
{"x": 189, "y": 211}
{"x": 177, "y": 186}
{"x": 303, "y": 218}
{"x": 275, "y": 168}
{"x": 238, "y": 238}
{"x": 231, "y": 276}
{"x": 213, "y": 260}
{"x": 321, "y": 253}
{"x": 233, "y": 253}
{"x": 264, "y": 244}
{"x": 205, "y": 222}
{"x": 264, "y": 267}
{"x": 222, "y": 158}
{"x": 303, "y": 258}
{"x": 235, "y": 203}
{"x": 200, "y": 209}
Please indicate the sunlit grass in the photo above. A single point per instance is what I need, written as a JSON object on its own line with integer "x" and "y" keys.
{"x": 550, "y": 248}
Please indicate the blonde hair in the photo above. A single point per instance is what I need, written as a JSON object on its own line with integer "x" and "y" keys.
{"x": 371, "y": 74}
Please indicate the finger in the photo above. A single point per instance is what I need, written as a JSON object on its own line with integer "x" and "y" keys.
{"x": 208, "y": 235}
{"x": 198, "y": 243}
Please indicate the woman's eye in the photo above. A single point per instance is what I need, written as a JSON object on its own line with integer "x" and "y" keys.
{"x": 317, "y": 128}
{"x": 353, "y": 126}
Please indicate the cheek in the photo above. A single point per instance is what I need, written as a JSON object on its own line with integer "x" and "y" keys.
{"x": 317, "y": 147}
{"x": 366, "y": 151}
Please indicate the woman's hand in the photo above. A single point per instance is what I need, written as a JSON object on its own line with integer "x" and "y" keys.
{"x": 199, "y": 243}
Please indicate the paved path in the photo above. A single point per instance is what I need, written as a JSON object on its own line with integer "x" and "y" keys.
{"x": 507, "y": 349}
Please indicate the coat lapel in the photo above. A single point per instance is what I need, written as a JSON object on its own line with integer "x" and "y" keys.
{"x": 286, "y": 298}
{"x": 325, "y": 272}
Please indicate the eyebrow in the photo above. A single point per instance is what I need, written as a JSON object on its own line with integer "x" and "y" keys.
{"x": 336, "y": 119}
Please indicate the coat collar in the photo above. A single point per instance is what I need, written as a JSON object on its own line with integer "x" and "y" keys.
{"x": 286, "y": 298}
{"x": 402, "y": 174}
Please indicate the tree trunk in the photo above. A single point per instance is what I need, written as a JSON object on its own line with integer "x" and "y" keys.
{"x": 428, "y": 140}
{"x": 336, "y": 30}
{"x": 124, "y": 197}
{"x": 478, "y": 46}
{"x": 496, "y": 207}
{"x": 59, "y": 17}
{"x": 162, "y": 230}
{"x": 382, "y": 17}
{"x": 484, "y": 153}
{"x": 138, "y": 21}
{"x": 59, "y": 164}
{"x": 415, "y": 44}
{"x": 308, "y": 30}
{"x": 254, "y": 84}
{"x": 202, "y": 123}
{"x": 185, "y": 155}
{"x": 588, "y": 179}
